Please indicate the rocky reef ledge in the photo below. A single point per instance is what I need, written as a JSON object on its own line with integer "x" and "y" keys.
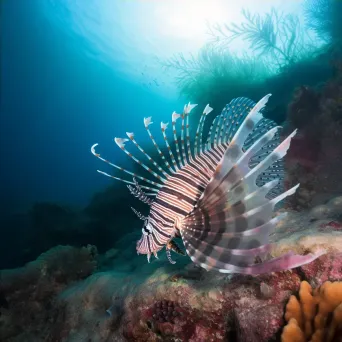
{"x": 74, "y": 294}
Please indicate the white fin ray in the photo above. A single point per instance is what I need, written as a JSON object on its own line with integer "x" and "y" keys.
{"x": 97, "y": 155}
{"x": 131, "y": 137}
{"x": 176, "y": 116}
{"x": 121, "y": 143}
{"x": 147, "y": 122}
{"x": 163, "y": 127}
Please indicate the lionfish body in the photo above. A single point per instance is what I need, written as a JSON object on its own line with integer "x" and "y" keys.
{"x": 218, "y": 195}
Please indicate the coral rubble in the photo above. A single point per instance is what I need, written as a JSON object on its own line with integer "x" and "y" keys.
{"x": 314, "y": 159}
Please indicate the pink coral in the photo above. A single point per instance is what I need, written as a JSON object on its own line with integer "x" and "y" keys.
{"x": 327, "y": 267}
{"x": 332, "y": 225}
{"x": 269, "y": 319}
{"x": 166, "y": 311}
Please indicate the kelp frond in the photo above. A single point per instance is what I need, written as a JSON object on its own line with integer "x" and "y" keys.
{"x": 277, "y": 36}
{"x": 324, "y": 18}
{"x": 318, "y": 17}
{"x": 214, "y": 65}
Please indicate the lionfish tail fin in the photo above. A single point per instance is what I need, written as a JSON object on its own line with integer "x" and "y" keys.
{"x": 230, "y": 225}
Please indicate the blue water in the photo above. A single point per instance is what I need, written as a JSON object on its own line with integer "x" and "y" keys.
{"x": 79, "y": 72}
{"x": 56, "y": 101}
{"x": 75, "y": 73}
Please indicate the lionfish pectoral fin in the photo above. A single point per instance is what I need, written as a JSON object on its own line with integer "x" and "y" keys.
{"x": 172, "y": 246}
{"x": 231, "y": 223}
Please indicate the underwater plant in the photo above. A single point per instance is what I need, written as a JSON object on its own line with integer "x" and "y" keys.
{"x": 216, "y": 70}
{"x": 280, "y": 54}
{"x": 277, "y": 37}
{"x": 324, "y": 18}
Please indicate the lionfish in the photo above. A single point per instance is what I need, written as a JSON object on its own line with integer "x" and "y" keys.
{"x": 218, "y": 195}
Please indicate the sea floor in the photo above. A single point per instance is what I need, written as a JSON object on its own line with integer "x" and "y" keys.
{"x": 74, "y": 294}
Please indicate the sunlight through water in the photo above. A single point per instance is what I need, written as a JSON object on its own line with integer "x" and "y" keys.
{"x": 132, "y": 36}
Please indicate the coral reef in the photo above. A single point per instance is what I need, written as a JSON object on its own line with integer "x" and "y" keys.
{"x": 29, "y": 293}
{"x": 304, "y": 106}
{"x": 211, "y": 308}
{"x": 332, "y": 225}
{"x": 166, "y": 311}
{"x": 316, "y": 316}
{"x": 331, "y": 209}
{"x": 314, "y": 158}
{"x": 71, "y": 294}
{"x": 49, "y": 224}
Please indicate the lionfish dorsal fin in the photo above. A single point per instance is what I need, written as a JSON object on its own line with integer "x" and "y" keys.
{"x": 183, "y": 115}
{"x": 199, "y": 131}
{"x": 233, "y": 152}
{"x": 171, "y": 167}
{"x": 121, "y": 143}
{"x": 226, "y": 124}
{"x": 131, "y": 137}
{"x": 176, "y": 116}
{"x": 220, "y": 135}
{"x": 187, "y": 109}
{"x": 147, "y": 122}
{"x": 184, "y": 152}
{"x": 153, "y": 189}
{"x": 163, "y": 127}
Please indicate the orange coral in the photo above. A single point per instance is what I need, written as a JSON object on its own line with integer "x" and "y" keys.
{"x": 316, "y": 316}
{"x": 292, "y": 332}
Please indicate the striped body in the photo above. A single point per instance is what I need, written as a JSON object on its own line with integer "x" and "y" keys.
{"x": 220, "y": 195}
{"x": 177, "y": 198}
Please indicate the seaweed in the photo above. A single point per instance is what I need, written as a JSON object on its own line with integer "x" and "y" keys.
{"x": 216, "y": 69}
{"x": 275, "y": 36}
{"x": 277, "y": 44}
{"x": 324, "y": 18}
